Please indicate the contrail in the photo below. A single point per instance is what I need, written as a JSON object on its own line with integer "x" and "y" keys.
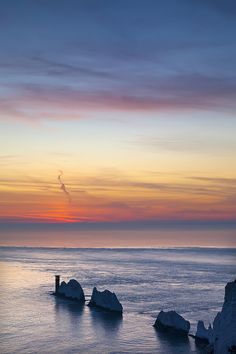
{"x": 63, "y": 187}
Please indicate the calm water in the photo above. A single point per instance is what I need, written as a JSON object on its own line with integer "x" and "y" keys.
{"x": 190, "y": 280}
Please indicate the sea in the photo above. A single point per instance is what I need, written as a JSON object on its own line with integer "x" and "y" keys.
{"x": 188, "y": 280}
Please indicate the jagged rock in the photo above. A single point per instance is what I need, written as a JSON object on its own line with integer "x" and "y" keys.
{"x": 222, "y": 337}
{"x": 106, "y": 300}
{"x": 72, "y": 290}
{"x": 173, "y": 321}
{"x": 203, "y": 333}
{"x": 224, "y": 325}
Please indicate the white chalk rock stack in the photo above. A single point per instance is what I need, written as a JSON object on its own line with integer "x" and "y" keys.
{"x": 171, "y": 320}
{"x": 106, "y": 300}
{"x": 224, "y": 325}
{"x": 203, "y": 333}
{"x": 72, "y": 290}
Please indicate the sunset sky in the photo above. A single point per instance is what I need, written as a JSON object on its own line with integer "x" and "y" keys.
{"x": 130, "y": 103}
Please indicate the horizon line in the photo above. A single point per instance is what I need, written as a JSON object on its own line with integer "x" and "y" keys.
{"x": 124, "y": 225}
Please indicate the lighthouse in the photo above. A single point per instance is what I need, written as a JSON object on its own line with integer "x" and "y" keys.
{"x": 57, "y": 283}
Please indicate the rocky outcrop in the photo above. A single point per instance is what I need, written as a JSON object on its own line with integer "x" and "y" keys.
{"x": 222, "y": 337}
{"x": 71, "y": 290}
{"x": 203, "y": 333}
{"x": 171, "y": 320}
{"x": 106, "y": 300}
{"x": 224, "y": 325}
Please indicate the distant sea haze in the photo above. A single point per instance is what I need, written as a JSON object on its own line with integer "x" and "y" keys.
{"x": 223, "y": 238}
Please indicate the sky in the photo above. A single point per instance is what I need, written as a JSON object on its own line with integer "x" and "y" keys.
{"x": 117, "y": 112}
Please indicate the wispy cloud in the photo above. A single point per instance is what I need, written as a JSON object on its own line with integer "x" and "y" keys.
{"x": 191, "y": 143}
{"x": 134, "y": 67}
{"x": 119, "y": 199}
{"x": 182, "y": 92}
{"x": 215, "y": 180}
{"x": 8, "y": 157}
{"x": 62, "y": 186}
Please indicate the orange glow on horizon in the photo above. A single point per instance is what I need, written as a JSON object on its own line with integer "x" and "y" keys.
{"x": 125, "y": 202}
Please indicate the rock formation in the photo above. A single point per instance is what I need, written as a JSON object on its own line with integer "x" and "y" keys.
{"x": 222, "y": 337}
{"x": 171, "y": 320}
{"x": 106, "y": 300}
{"x": 224, "y": 325}
{"x": 203, "y": 333}
{"x": 71, "y": 290}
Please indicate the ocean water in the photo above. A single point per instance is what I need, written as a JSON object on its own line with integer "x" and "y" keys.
{"x": 188, "y": 280}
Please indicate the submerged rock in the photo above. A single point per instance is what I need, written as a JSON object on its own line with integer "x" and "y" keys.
{"x": 203, "y": 333}
{"x": 106, "y": 300}
{"x": 72, "y": 290}
{"x": 224, "y": 325}
{"x": 171, "y": 320}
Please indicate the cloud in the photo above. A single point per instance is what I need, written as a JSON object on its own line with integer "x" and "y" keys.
{"x": 119, "y": 198}
{"x": 8, "y": 157}
{"x": 215, "y": 180}
{"x": 157, "y": 60}
{"x": 115, "y": 181}
{"x": 202, "y": 187}
{"x": 188, "y": 143}
{"x": 32, "y": 102}
{"x": 60, "y": 68}
{"x": 62, "y": 186}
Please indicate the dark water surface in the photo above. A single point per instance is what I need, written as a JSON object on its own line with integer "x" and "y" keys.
{"x": 188, "y": 280}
